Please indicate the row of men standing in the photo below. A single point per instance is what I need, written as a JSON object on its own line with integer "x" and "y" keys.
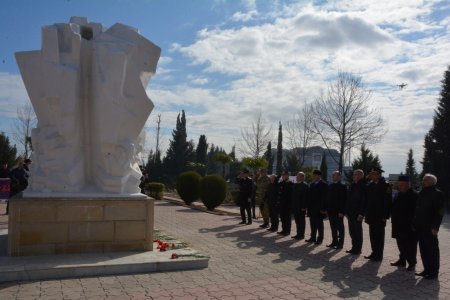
{"x": 415, "y": 217}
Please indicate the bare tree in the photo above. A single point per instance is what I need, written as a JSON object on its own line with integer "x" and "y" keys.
{"x": 300, "y": 132}
{"x": 21, "y": 128}
{"x": 256, "y": 138}
{"x": 344, "y": 118}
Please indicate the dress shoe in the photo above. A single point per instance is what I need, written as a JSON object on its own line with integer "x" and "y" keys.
{"x": 249, "y": 223}
{"x": 243, "y": 222}
{"x": 283, "y": 233}
{"x": 298, "y": 237}
{"x": 422, "y": 274}
{"x": 411, "y": 268}
{"x": 332, "y": 245}
{"x": 318, "y": 242}
{"x": 272, "y": 229}
{"x": 399, "y": 263}
{"x": 431, "y": 276}
{"x": 349, "y": 251}
{"x": 338, "y": 247}
{"x": 264, "y": 225}
{"x": 310, "y": 240}
{"x": 368, "y": 256}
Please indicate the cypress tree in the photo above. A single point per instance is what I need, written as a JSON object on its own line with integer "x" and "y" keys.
{"x": 366, "y": 161}
{"x": 324, "y": 168}
{"x": 268, "y": 156}
{"x": 8, "y": 153}
{"x": 279, "y": 167}
{"x": 202, "y": 150}
{"x": 410, "y": 169}
{"x": 178, "y": 151}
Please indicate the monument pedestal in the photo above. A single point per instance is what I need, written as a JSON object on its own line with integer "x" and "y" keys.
{"x": 40, "y": 226}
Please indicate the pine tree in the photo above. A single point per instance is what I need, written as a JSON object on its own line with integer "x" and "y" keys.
{"x": 291, "y": 164}
{"x": 280, "y": 150}
{"x": 268, "y": 156}
{"x": 366, "y": 161}
{"x": 410, "y": 169}
{"x": 202, "y": 150}
{"x": 8, "y": 153}
{"x": 437, "y": 142}
{"x": 324, "y": 168}
{"x": 179, "y": 150}
{"x": 154, "y": 167}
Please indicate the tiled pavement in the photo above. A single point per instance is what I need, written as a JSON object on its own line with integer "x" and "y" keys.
{"x": 249, "y": 263}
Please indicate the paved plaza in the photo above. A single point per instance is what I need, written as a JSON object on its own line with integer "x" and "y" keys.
{"x": 250, "y": 263}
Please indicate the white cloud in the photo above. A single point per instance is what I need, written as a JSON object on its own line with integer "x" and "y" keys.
{"x": 244, "y": 16}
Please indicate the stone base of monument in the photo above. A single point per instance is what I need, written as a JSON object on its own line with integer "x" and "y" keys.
{"x": 42, "y": 267}
{"x": 40, "y": 226}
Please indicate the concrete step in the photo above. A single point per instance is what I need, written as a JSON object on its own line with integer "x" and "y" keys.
{"x": 94, "y": 264}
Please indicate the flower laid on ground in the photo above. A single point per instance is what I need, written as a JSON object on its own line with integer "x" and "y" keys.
{"x": 162, "y": 246}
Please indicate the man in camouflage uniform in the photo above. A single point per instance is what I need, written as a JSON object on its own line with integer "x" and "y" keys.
{"x": 262, "y": 185}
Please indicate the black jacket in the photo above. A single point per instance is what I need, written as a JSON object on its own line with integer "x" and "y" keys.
{"x": 429, "y": 210}
{"x": 356, "y": 199}
{"x": 317, "y": 197}
{"x": 336, "y": 198}
{"x": 379, "y": 200}
{"x": 403, "y": 208}
{"x": 300, "y": 196}
{"x": 245, "y": 189}
{"x": 285, "y": 194}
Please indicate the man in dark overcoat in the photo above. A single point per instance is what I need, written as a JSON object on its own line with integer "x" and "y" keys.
{"x": 299, "y": 204}
{"x": 427, "y": 220}
{"x": 378, "y": 211}
{"x": 285, "y": 187}
{"x": 272, "y": 197}
{"x": 355, "y": 209}
{"x": 316, "y": 207}
{"x": 335, "y": 208}
{"x": 402, "y": 215}
{"x": 245, "y": 195}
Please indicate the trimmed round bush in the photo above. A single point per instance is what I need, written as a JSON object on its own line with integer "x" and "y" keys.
{"x": 155, "y": 190}
{"x": 188, "y": 186}
{"x": 213, "y": 190}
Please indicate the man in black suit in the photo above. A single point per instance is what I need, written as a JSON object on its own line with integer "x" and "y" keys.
{"x": 284, "y": 201}
{"x": 316, "y": 207}
{"x": 299, "y": 205}
{"x": 403, "y": 208}
{"x": 355, "y": 208}
{"x": 378, "y": 210}
{"x": 427, "y": 220}
{"x": 335, "y": 207}
{"x": 245, "y": 195}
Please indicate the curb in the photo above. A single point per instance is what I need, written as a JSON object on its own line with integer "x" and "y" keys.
{"x": 201, "y": 207}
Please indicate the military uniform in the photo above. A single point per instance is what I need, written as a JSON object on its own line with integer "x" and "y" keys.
{"x": 299, "y": 206}
{"x": 378, "y": 210}
{"x": 428, "y": 216}
{"x": 316, "y": 204}
{"x": 284, "y": 204}
{"x": 262, "y": 185}
{"x": 354, "y": 207}
{"x": 402, "y": 215}
{"x": 335, "y": 205}
{"x": 272, "y": 198}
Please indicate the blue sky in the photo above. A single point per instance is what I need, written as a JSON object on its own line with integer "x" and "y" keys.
{"x": 222, "y": 61}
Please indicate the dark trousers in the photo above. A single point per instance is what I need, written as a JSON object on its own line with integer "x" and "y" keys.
{"x": 356, "y": 232}
{"x": 429, "y": 251}
{"x": 254, "y": 207}
{"x": 299, "y": 217}
{"x": 243, "y": 208}
{"x": 407, "y": 245}
{"x": 316, "y": 223}
{"x": 286, "y": 220}
{"x": 274, "y": 215}
{"x": 337, "y": 229}
{"x": 376, "y": 233}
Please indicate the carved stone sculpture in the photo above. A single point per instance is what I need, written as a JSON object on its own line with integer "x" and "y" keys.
{"x": 87, "y": 86}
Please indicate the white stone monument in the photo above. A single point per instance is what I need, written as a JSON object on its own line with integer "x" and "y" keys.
{"x": 87, "y": 86}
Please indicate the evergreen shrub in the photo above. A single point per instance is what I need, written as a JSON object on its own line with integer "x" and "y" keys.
{"x": 213, "y": 190}
{"x": 155, "y": 190}
{"x": 188, "y": 186}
